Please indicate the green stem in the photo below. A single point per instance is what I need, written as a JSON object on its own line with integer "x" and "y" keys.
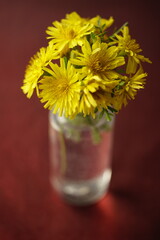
{"x": 62, "y": 152}
{"x": 116, "y": 32}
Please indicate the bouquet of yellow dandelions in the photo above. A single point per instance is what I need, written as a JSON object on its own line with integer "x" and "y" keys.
{"x": 99, "y": 70}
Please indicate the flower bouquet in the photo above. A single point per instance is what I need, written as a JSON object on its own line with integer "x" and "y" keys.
{"x": 87, "y": 72}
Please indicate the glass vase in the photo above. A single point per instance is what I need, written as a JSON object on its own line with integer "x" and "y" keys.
{"x": 80, "y": 156}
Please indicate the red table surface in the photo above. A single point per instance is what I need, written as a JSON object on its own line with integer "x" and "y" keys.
{"x": 29, "y": 208}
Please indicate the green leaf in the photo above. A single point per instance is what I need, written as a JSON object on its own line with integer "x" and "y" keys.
{"x": 122, "y": 83}
{"x": 112, "y": 109}
{"x": 103, "y": 26}
{"x": 101, "y": 114}
{"x": 101, "y": 34}
{"x": 108, "y": 115}
{"x": 116, "y": 32}
{"x": 93, "y": 36}
{"x": 65, "y": 61}
{"x": 97, "y": 27}
{"x": 99, "y": 21}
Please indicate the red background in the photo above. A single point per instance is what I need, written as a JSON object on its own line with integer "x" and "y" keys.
{"x": 29, "y": 208}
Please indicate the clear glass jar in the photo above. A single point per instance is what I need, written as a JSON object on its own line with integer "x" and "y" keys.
{"x": 80, "y": 154}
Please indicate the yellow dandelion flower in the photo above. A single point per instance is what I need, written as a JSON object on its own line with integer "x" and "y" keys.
{"x": 35, "y": 69}
{"x": 102, "y": 22}
{"x": 87, "y": 80}
{"x": 66, "y": 36}
{"x": 129, "y": 90}
{"x": 74, "y": 19}
{"x": 131, "y": 48}
{"x": 99, "y": 59}
{"x": 61, "y": 90}
{"x": 94, "y": 95}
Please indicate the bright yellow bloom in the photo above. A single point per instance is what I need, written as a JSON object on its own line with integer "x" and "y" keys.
{"x": 61, "y": 90}
{"x": 74, "y": 19}
{"x": 94, "y": 95}
{"x": 99, "y": 60}
{"x": 129, "y": 90}
{"x": 86, "y": 78}
{"x": 66, "y": 36}
{"x": 131, "y": 48}
{"x": 102, "y": 22}
{"x": 35, "y": 69}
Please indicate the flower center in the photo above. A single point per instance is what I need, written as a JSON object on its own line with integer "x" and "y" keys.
{"x": 97, "y": 63}
{"x": 63, "y": 86}
{"x": 132, "y": 45}
{"x": 71, "y": 34}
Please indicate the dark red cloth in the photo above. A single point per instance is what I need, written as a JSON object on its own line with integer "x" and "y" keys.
{"x": 29, "y": 208}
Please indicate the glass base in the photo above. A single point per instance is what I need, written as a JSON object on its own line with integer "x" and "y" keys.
{"x": 84, "y": 192}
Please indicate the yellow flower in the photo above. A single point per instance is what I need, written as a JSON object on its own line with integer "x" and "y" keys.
{"x": 61, "y": 90}
{"x": 35, "y": 69}
{"x": 128, "y": 91}
{"x": 74, "y": 19}
{"x": 66, "y": 36}
{"x": 102, "y": 22}
{"x": 87, "y": 79}
{"x": 99, "y": 59}
{"x": 131, "y": 48}
{"x": 94, "y": 95}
